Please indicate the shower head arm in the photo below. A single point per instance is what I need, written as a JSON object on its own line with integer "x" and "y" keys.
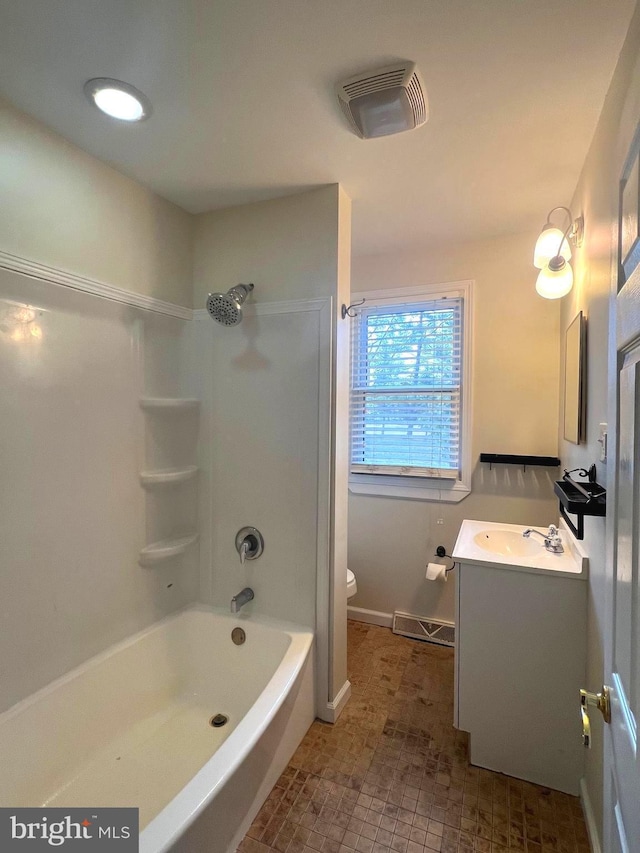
{"x": 240, "y": 292}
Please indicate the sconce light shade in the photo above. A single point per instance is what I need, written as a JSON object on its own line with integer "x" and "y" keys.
{"x": 547, "y": 246}
{"x": 552, "y": 254}
{"x": 556, "y": 279}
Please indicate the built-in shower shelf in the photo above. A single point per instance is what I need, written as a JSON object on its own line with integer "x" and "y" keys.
{"x": 169, "y": 404}
{"x": 160, "y": 551}
{"x": 167, "y": 476}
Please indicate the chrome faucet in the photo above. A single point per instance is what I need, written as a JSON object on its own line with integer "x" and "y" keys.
{"x": 552, "y": 540}
{"x": 241, "y": 599}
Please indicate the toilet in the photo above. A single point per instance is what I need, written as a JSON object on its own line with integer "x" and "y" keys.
{"x": 352, "y": 586}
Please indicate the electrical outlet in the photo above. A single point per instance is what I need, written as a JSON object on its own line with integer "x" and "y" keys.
{"x": 602, "y": 441}
{"x": 440, "y": 521}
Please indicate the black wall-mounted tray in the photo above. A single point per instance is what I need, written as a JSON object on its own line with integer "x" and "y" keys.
{"x": 574, "y": 500}
{"x": 520, "y": 459}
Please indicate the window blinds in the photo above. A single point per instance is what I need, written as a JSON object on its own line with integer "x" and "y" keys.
{"x": 406, "y": 373}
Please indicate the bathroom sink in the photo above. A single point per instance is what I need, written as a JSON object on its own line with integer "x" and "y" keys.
{"x": 502, "y": 545}
{"x": 507, "y": 543}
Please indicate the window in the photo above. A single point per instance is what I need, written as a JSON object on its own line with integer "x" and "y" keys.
{"x": 409, "y": 394}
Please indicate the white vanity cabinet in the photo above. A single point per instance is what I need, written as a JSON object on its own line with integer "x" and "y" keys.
{"x": 520, "y": 654}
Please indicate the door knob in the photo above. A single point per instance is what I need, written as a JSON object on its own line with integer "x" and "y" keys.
{"x": 601, "y": 701}
{"x": 586, "y": 729}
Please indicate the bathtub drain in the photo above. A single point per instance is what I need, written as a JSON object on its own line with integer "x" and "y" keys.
{"x": 238, "y": 636}
{"x": 218, "y": 720}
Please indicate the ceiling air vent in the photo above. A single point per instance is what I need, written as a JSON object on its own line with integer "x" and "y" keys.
{"x": 389, "y": 100}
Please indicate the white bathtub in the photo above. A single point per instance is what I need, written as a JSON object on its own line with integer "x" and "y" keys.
{"x": 131, "y": 728}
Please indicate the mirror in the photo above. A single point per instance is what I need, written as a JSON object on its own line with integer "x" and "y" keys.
{"x": 574, "y": 380}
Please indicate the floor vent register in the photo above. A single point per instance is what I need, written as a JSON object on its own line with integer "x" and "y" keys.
{"x": 418, "y": 628}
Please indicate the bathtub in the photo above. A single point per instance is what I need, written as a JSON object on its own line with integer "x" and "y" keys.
{"x": 131, "y": 727}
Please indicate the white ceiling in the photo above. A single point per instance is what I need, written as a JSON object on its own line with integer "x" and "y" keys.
{"x": 244, "y": 107}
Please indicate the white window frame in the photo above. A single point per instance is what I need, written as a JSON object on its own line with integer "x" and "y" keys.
{"x": 424, "y": 488}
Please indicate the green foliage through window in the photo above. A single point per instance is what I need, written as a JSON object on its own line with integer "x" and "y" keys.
{"x": 406, "y": 389}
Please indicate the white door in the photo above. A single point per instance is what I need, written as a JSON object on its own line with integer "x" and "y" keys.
{"x": 622, "y": 631}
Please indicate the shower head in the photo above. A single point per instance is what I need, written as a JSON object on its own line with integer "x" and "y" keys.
{"x": 226, "y": 308}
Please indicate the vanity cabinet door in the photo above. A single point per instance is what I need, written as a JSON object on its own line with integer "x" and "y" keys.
{"x": 520, "y": 658}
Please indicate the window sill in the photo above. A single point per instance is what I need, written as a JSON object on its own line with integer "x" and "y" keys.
{"x": 441, "y": 491}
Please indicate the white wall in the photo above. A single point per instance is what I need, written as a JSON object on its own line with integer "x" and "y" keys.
{"x": 596, "y": 198}
{"x": 515, "y": 410}
{"x": 268, "y": 434}
{"x": 72, "y": 511}
{"x": 65, "y": 209}
{"x": 287, "y": 246}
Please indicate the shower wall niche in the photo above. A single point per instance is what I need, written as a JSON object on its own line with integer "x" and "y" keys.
{"x": 169, "y": 475}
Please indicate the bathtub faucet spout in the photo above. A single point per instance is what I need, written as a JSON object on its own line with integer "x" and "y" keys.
{"x": 241, "y": 599}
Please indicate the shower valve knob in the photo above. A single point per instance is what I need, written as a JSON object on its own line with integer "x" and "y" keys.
{"x": 249, "y": 543}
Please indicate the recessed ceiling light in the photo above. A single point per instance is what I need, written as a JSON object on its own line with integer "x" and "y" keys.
{"x": 117, "y": 99}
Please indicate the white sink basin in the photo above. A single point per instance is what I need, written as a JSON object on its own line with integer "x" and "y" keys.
{"x": 502, "y": 545}
{"x": 507, "y": 543}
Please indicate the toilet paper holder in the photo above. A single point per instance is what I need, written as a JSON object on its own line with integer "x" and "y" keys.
{"x": 441, "y": 552}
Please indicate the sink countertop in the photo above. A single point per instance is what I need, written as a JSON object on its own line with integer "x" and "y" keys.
{"x": 572, "y": 563}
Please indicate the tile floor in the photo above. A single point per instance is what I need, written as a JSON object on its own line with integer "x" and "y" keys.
{"x": 392, "y": 775}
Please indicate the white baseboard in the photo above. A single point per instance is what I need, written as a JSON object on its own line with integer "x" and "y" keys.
{"x": 332, "y": 710}
{"x": 589, "y": 817}
{"x": 373, "y": 617}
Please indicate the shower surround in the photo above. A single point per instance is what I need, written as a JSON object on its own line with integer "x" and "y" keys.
{"x": 139, "y": 436}
{"x": 73, "y": 514}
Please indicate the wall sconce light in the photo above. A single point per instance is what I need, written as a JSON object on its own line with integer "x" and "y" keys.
{"x": 553, "y": 253}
